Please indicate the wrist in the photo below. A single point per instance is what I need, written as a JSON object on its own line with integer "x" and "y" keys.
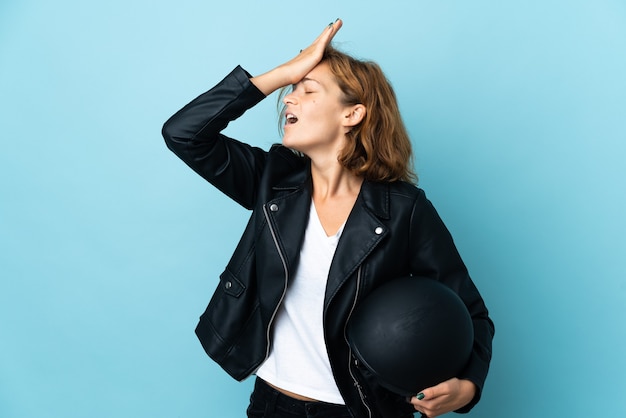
{"x": 272, "y": 80}
{"x": 468, "y": 390}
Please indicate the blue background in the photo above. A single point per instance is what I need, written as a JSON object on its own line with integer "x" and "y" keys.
{"x": 110, "y": 247}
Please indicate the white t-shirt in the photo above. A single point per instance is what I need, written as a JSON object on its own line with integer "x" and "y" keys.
{"x": 298, "y": 361}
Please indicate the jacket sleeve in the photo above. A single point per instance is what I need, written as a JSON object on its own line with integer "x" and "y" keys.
{"x": 436, "y": 256}
{"x": 193, "y": 134}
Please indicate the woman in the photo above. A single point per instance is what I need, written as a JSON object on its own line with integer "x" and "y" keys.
{"x": 334, "y": 215}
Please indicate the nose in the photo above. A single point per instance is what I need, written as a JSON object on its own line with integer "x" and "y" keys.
{"x": 289, "y": 98}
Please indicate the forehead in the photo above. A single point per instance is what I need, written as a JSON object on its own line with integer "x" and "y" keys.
{"x": 321, "y": 74}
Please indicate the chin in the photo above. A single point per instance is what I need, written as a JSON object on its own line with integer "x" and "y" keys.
{"x": 286, "y": 142}
{"x": 289, "y": 143}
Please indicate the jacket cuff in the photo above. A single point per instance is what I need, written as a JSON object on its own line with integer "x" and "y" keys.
{"x": 243, "y": 77}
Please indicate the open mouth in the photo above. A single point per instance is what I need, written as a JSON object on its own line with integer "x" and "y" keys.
{"x": 290, "y": 118}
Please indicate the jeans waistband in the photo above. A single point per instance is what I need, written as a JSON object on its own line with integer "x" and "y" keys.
{"x": 296, "y": 406}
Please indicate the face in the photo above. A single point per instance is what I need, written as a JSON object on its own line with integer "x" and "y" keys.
{"x": 315, "y": 118}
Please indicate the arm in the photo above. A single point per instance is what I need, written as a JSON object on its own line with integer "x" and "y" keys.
{"x": 436, "y": 256}
{"x": 193, "y": 133}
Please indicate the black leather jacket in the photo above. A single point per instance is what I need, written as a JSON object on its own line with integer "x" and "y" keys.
{"x": 392, "y": 231}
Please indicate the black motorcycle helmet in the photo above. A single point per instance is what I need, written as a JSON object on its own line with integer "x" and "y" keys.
{"x": 411, "y": 333}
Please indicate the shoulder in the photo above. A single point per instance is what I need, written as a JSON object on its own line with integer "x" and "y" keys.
{"x": 285, "y": 167}
{"x": 404, "y": 188}
{"x": 281, "y": 153}
{"x": 389, "y": 199}
{"x": 403, "y": 191}
{"x": 405, "y": 196}
{"x": 286, "y": 160}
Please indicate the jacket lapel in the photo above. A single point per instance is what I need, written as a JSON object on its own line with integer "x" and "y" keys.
{"x": 362, "y": 233}
{"x": 289, "y": 214}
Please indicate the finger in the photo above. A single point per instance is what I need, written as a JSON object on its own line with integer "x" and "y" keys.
{"x": 422, "y": 411}
{"x": 436, "y": 391}
{"x": 425, "y": 402}
{"x": 327, "y": 34}
{"x": 417, "y": 406}
{"x": 418, "y": 401}
{"x": 333, "y": 29}
{"x": 429, "y": 393}
{"x": 337, "y": 24}
{"x": 429, "y": 409}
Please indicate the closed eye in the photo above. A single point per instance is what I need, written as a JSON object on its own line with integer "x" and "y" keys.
{"x": 307, "y": 84}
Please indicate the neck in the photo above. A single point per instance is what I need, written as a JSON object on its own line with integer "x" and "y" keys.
{"x": 332, "y": 180}
{"x": 335, "y": 190}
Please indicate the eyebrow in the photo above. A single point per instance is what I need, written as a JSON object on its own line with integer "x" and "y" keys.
{"x": 307, "y": 79}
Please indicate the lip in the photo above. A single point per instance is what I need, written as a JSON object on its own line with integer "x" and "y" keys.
{"x": 288, "y": 116}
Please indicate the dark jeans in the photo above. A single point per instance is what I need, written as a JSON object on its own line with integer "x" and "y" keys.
{"x": 267, "y": 402}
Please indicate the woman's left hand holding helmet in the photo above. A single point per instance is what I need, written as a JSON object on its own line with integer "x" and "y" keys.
{"x": 445, "y": 397}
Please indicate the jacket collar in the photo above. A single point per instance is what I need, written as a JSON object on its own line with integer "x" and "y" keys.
{"x": 376, "y": 198}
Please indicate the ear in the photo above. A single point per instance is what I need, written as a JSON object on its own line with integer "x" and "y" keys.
{"x": 354, "y": 115}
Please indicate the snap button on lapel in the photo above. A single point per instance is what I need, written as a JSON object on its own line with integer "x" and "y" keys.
{"x": 274, "y": 207}
{"x": 228, "y": 284}
{"x": 378, "y": 230}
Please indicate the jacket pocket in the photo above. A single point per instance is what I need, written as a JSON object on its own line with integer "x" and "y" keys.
{"x": 231, "y": 285}
{"x": 230, "y": 318}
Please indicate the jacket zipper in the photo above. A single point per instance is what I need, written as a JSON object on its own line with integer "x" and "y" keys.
{"x": 345, "y": 336}
{"x": 282, "y": 297}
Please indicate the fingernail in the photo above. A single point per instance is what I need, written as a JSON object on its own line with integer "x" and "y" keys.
{"x": 330, "y": 25}
{"x": 420, "y": 396}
